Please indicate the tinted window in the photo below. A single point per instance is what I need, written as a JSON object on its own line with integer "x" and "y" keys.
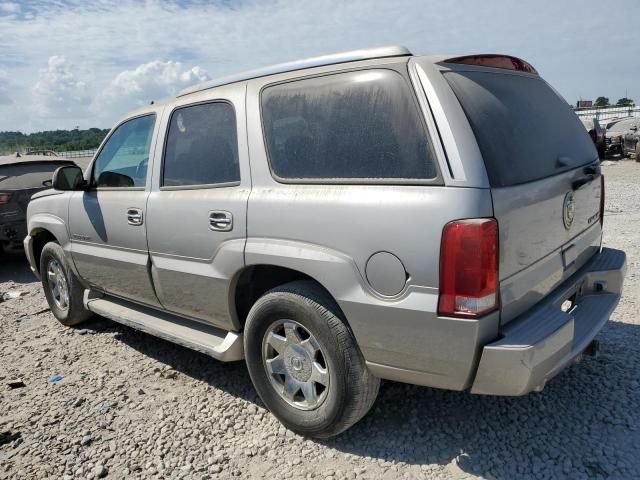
{"x": 357, "y": 125}
{"x": 123, "y": 160}
{"x": 202, "y": 146}
{"x": 525, "y": 130}
{"x": 28, "y": 175}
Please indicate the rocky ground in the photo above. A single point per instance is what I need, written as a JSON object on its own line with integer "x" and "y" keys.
{"x": 108, "y": 401}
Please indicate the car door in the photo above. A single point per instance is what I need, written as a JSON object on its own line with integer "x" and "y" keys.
{"x": 107, "y": 221}
{"x": 196, "y": 219}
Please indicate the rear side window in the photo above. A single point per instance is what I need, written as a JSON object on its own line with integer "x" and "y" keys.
{"x": 356, "y": 125}
{"x": 524, "y": 129}
{"x": 202, "y": 146}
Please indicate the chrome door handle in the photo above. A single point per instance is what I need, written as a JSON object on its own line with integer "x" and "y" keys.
{"x": 134, "y": 216}
{"x": 220, "y": 221}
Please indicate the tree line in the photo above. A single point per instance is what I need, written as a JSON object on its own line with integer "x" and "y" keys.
{"x": 57, "y": 140}
{"x": 622, "y": 102}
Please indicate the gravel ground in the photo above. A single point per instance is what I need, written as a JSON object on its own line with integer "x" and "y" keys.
{"x": 108, "y": 401}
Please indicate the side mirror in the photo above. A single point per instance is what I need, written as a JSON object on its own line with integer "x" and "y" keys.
{"x": 68, "y": 178}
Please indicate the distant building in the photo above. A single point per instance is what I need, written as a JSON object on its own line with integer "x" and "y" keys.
{"x": 584, "y": 104}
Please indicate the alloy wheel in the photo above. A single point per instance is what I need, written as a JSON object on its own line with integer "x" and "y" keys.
{"x": 296, "y": 364}
{"x": 58, "y": 286}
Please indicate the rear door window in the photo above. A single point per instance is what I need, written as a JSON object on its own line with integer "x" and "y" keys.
{"x": 357, "y": 125}
{"x": 524, "y": 129}
{"x": 202, "y": 146}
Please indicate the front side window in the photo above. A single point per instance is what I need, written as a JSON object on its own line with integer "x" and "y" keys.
{"x": 356, "y": 125}
{"x": 202, "y": 146}
{"x": 123, "y": 160}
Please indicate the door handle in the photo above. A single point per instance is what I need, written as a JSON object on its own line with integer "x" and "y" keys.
{"x": 134, "y": 216}
{"x": 220, "y": 221}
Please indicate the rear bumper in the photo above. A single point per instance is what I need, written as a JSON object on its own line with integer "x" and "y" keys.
{"x": 540, "y": 343}
{"x": 13, "y": 231}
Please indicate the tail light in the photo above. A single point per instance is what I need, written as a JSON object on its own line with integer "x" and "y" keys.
{"x": 4, "y": 198}
{"x": 601, "y": 200}
{"x": 495, "y": 61}
{"x": 469, "y": 268}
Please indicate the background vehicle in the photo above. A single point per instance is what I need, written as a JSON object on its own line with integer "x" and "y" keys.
{"x": 20, "y": 178}
{"x": 631, "y": 140}
{"x": 343, "y": 219}
{"x": 615, "y": 135}
{"x": 597, "y": 134}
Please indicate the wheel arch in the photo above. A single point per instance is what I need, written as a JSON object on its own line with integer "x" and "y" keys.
{"x": 44, "y": 227}
{"x": 253, "y": 281}
{"x": 40, "y": 237}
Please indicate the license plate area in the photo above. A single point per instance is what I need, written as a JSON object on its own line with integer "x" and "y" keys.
{"x": 569, "y": 255}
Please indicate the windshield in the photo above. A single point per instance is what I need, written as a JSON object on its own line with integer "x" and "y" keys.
{"x": 524, "y": 129}
{"x": 622, "y": 126}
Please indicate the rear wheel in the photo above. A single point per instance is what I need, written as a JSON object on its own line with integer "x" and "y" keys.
{"x": 304, "y": 361}
{"x": 61, "y": 287}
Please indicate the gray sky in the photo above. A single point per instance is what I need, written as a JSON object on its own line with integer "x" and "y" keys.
{"x": 67, "y": 63}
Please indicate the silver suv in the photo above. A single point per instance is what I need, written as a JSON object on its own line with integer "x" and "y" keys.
{"x": 340, "y": 220}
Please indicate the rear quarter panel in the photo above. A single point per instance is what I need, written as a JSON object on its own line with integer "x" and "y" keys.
{"x": 330, "y": 231}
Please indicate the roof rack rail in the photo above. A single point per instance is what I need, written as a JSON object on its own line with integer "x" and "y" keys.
{"x": 352, "y": 56}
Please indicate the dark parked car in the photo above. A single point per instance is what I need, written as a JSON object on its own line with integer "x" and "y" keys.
{"x": 631, "y": 140}
{"x": 597, "y": 134}
{"x": 615, "y": 135}
{"x": 20, "y": 178}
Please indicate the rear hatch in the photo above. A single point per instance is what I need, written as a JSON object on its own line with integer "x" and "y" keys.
{"x": 544, "y": 176}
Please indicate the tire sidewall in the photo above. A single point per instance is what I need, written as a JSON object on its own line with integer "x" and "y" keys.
{"x": 50, "y": 252}
{"x": 279, "y": 306}
{"x": 75, "y": 314}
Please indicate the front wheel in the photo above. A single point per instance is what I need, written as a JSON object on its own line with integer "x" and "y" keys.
{"x": 61, "y": 287}
{"x": 304, "y": 361}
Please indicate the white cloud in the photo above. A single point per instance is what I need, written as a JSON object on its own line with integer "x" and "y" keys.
{"x": 105, "y": 38}
{"x": 10, "y": 7}
{"x": 5, "y": 87}
{"x": 150, "y": 81}
{"x": 58, "y": 92}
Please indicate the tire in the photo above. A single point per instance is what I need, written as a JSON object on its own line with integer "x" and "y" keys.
{"x": 350, "y": 388}
{"x": 55, "y": 272}
{"x": 638, "y": 151}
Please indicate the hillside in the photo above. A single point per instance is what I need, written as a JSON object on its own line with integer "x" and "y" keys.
{"x": 58, "y": 140}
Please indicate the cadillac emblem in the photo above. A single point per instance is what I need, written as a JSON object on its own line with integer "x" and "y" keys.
{"x": 569, "y": 210}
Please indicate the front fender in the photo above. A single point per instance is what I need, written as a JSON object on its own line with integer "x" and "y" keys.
{"x": 49, "y": 213}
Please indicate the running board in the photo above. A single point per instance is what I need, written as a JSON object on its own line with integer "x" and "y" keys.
{"x": 220, "y": 344}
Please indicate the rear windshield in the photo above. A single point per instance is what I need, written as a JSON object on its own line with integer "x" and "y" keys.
{"x": 28, "y": 175}
{"x": 524, "y": 129}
